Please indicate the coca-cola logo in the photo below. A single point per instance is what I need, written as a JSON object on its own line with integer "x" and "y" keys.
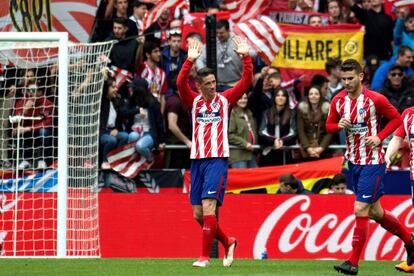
{"x": 326, "y": 233}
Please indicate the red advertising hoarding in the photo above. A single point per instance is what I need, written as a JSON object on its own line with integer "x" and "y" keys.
{"x": 290, "y": 227}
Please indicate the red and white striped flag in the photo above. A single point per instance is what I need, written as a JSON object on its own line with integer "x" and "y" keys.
{"x": 263, "y": 34}
{"x": 242, "y": 10}
{"x": 120, "y": 75}
{"x": 173, "y": 5}
{"x": 126, "y": 161}
{"x": 402, "y": 3}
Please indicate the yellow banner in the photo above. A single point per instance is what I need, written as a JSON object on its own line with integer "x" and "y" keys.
{"x": 310, "y": 49}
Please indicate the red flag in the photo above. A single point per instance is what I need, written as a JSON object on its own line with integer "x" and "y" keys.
{"x": 264, "y": 35}
{"x": 172, "y": 5}
{"x": 126, "y": 161}
{"x": 242, "y": 10}
{"x": 120, "y": 75}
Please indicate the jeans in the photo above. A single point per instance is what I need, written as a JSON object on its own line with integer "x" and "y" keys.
{"x": 110, "y": 142}
{"x": 144, "y": 144}
{"x": 245, "y": 164}
{"x": 37, "y": 145}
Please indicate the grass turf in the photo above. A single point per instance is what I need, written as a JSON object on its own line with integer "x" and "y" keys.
{"x": 112, "y": 267}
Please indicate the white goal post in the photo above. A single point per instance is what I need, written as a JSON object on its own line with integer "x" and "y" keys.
{"x": 69, "y": 209}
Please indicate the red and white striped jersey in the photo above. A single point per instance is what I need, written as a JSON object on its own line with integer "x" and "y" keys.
{"x": 211, "y": 118}
{"x": 157, "y": 83}
{"x": 365, "y": 113}
{"x": 407, "y": 129}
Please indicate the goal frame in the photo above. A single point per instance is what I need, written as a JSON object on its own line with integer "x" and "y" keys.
{"x": 62, "y": 38}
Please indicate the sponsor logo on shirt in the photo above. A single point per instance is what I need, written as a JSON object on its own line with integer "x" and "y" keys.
{"x": 208, "y": 117}
{"x": 359, "y": 128}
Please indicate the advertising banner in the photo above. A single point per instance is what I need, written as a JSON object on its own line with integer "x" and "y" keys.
{"x": 289, "y": 227}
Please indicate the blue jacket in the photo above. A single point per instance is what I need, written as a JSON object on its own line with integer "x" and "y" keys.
{"x": 401, "y": 37}
{"x": 381, "y": 74}
{"x": 165, "y": 65}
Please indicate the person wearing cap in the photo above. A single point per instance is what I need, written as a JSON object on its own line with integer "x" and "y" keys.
{"x": 398, "y": 89}
{"x": 404, "y": 59}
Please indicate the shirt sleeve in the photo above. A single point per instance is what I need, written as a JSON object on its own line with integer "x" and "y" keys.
{"x": 400, "y": 132}
{"x": 386, "y": 109}
{"x": 333, "y": 118}
{"x": 187, "y": 95}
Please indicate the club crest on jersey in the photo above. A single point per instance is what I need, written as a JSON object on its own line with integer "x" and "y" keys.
{"x": 362, "y": 112}
{"x": 215, "y": 105}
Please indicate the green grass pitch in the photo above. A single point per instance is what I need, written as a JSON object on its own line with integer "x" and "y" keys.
{"x": 171, "y": 267}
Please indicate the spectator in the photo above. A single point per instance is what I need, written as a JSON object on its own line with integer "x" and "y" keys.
{"x": 278, "y": 128}
{"x": 36, "y": 134}
{"x": 313, "y": 137}
{"x": 121, "y": 9}
{"x": 229, "y": 65}
{"x": 333, "y": 68}
{"x": 404, "y": 59}
{"x": 178, "y": 124}
{"x": 306, "y": 6}
{"x": 404, "y": 30}
{"x": 242, "y": 133}
{"x": 315, "y": 20}
{"x": 322, "y": 83}
{"x": 398, "y": 89}
{"x": 338, "y": 185}
{"x": 157, "y": 31}
{"x": 145, "y": 122}
{"x": 335, "y": 12}
{"x": 289, "y": 184}
{"x": 125, "y": 52}
{"x": 372, "y": 63}
{"x": 379, "y": 28}
{"x": 136, "y": 20}
{"x": 172, "y": 59}
{"x": 262, "y": 96}
{"x": 111, "y": 134}
{"x": 152, "y": 73}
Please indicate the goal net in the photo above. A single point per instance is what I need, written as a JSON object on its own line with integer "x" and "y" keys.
{"x": 50, "y": 93}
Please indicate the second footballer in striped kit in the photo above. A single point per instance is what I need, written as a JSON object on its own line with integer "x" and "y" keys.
{"x": 359, "y": 111}
{"x": 210, "y": 146}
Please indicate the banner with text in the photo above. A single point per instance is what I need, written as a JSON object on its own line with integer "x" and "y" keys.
{"x": 73, "y": 16}
{"x": 290, "y": 227}
{"x": 294, "y": 17}
{"x": 306, "y": 49}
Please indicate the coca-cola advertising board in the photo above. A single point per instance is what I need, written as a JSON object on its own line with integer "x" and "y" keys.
{"x": 290, "y": 227}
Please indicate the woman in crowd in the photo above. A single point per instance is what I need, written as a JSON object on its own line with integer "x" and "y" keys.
{"x": 336, "y": 15}
{"x": 313, "y": 137}
{"x": 242, "y": 133}
{"x": 144, "y": 120}
{"x": 278, "y": 129}
{"x": 111, "y": 130}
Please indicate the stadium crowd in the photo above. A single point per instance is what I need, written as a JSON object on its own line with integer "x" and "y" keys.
{"x": 145, "y": 107}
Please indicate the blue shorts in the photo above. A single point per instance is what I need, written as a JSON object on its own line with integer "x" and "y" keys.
{"x": 208, "y": 179}
{"x": 367, "y": 181}
{"x": 412, "y": 191}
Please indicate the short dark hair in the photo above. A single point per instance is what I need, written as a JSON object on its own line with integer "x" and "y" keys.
{"x": 332, "y": 63}
{"x": 149, "y": 46}
{"x": 121, "y": 20}
{"x": 290, "y": 180}
{"x": 223, "y": 23}
{"x": 403, "y": 49}
{"x": 338, "y": 178}
{"x": 204, "y": 72}
{"x": 351, "y": 65}
{"x": 318, "y": 80}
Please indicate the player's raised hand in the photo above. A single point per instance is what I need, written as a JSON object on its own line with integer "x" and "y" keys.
{"x": 242, "y": 47}
{"x": 194, "y": 49}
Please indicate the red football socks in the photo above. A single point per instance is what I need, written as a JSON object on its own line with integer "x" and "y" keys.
{"x": 359, "y": 238}
{"x": 222, "y": 237}
{"x": 209, "y": 232}
{"x": 390, "y": 223}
